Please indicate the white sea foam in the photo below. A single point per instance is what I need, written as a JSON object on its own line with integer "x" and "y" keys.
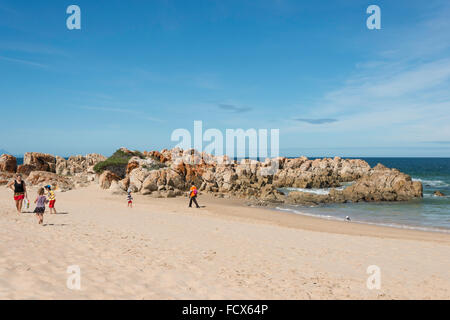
{"x": 309, "y": 214}
{"x": 391, "y": 225}
{"x": 432, "y": 183}
{"x": 322, "y": 191}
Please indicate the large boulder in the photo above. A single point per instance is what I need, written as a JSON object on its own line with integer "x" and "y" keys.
{"x": 306, "y": 198}
{"x": 131, "y": 166}
{"x": 106, "y": 178}
{"x": 162, "y": 179}
{"x": 381, "y": 184}
{"x": 116, "y": 188}
{"x": 350, "y": 169}
{"x": 139, "y": 168}
{"x": 35, "y": 161}
{"x": 271, "y": 194}
{"x": 8, "y": 163}
{"x": 319, "y": 173}
{"x": 25, "y": 169}
{"x": 192, "y": 170}
{"x": 124, "y": 183}
{"x": 41, "y": 161}
{"x": 6, "y": 177}
{"x": 384, "y": 184}
{"x": 43, "y": 178}
{"x": 137, "y": 177}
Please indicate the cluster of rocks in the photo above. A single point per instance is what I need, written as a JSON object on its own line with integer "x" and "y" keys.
{"x": 378, "y": 184}
{"x": 319, "y": 173}
{"x": 169, "y": 173}
{"x": 41, "y": 169}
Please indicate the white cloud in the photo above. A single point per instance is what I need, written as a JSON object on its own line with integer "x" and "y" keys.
{"x": 402, "y": 95}
{"x": 24, "y": 62}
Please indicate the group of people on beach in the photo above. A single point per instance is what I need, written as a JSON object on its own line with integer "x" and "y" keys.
{"x": 45, "y": 196}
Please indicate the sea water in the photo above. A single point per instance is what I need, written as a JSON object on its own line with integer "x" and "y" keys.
{"x": 430, "y": 213}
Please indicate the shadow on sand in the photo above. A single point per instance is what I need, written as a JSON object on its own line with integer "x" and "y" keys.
{"x": 46, "y": 212}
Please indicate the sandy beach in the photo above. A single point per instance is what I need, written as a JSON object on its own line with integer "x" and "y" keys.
{"x": 161, "y": 249}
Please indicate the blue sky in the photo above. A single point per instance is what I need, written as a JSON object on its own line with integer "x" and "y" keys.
{"x": 137, "y": 70}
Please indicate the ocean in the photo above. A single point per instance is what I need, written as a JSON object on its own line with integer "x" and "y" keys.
{"x": 430, "y": 213}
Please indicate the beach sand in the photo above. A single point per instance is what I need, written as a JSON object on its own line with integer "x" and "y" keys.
{"x": 161, "y": 249}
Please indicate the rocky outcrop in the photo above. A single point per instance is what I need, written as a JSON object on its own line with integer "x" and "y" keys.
{"x": 382, "y": 184}
{"x": 170, "y": 173}
{"x": 438, "y": 194}
{"x": 6, "y": 177}
{"x": 35, "y": 161}
{"x": 41, "y": 161}
{"x": 78, "y": 165}
{"x": 307, "y": 198}
{"x": 162, "y": 180}
{"x": 43, "y": 178}
{"x": 25, "y": 169}
{"x": 116, "y": 189}
{"x": 138, "y": 169}
{"x": 162, "y": 157}
{"x": 379, "y": 184}
{"x": 124, "y": 183}
{"x": 8, "y": 163}
{"x": 174, "y": 170}
{"x": 319, "y": 173}
{"x": 131, "y": 166}
{"x": 271, "y": 194}
{"x": 106, "y": 178}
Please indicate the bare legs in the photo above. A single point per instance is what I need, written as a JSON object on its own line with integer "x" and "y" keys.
{"x": 19, "y": 204}
{"x": 40, "y": 217}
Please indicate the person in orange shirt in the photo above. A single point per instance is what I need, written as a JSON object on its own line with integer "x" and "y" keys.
{"x": 193, "y": 196}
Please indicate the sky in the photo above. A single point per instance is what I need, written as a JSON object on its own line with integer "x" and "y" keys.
{"x": 138, "y": 70}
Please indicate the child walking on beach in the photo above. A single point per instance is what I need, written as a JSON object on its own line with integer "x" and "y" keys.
{"x": 40, "y": 201}
{"x": 51, "y": 199}
{"x": 193, "y": 195}
{"x": 130, "y": 199}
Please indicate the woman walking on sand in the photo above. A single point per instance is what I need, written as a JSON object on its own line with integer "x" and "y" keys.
{"x": 20, "y": 191}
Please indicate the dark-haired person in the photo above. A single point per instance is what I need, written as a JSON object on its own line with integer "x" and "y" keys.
{"x": 193, "y": 195}
{"x": 20, "y": 191}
